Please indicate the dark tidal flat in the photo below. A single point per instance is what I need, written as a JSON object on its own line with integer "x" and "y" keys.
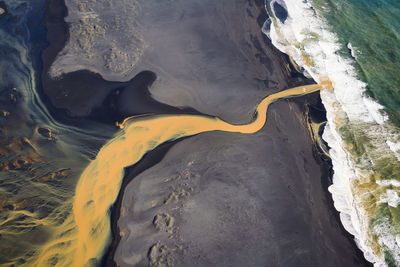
{"x": 216, "y": 198}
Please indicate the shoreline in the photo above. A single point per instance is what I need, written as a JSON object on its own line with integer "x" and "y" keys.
{"x": 326, "y": 180}
{"x": 365, "y": 163}
{"x": 155, "y": 156}
{"x": 324, "y": 162}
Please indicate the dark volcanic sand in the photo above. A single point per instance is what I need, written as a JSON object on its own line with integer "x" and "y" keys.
{"x": 239, "y": 200}
{"x": 77, "y": 92}
{"x": 222, "y": 199}
{"x": 86, "y": 94}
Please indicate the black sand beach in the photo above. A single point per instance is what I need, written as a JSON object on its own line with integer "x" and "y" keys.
{"x": 215, "y": 199}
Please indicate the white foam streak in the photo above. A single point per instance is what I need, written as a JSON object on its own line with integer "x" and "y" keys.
{"x": 352, "y": 50}
{"x": 394, "y": 183}
{"x": 391, "y": 197}
{"x": 342, "y": 196}
{"x": 395, "y": 147}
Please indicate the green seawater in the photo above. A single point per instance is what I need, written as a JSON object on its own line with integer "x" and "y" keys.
{"x": 372, "y": 27}
{"x": 368, "y": 32}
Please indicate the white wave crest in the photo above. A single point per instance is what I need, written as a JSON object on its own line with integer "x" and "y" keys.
{"x": 395, "y": 147}
{"x": 352, "y": 50}
{"x": 391, "y": 197}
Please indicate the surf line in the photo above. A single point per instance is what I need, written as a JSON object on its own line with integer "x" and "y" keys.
{"x": 100, "y": 182}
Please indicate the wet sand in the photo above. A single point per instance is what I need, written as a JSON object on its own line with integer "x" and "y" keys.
{"x": 258, "y": 200}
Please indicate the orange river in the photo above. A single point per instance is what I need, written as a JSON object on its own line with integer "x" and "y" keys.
{"x": 85, "y": 235}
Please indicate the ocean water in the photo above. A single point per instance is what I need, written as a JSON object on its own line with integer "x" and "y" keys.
{"x": 370, "y": 31}
{"x": 355, "y": 45}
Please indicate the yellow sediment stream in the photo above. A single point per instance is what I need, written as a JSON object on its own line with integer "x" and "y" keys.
{"x": 82, "y": 239}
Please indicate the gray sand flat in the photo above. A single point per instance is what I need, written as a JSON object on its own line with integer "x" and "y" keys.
{"x": 223, "y": 199}
{"x": 207, "y": 54}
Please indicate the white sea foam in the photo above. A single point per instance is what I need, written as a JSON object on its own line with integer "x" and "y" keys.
{"x": 394, "y": 183}
{"x": 306, "y": 38}
{"x": 395, "y": 147}
{"x": 299, "y": 31}
{"x": 342, "y": 196}
{"x": 391, "y": 197}
{"x": 352, "y": 50}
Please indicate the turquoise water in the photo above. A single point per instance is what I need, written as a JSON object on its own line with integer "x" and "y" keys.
{"x": 372, "y": 28}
